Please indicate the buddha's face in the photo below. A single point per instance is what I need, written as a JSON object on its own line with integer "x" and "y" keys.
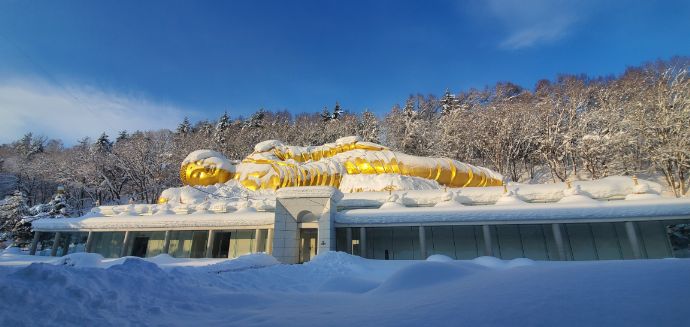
{"x": 204, "y": 172}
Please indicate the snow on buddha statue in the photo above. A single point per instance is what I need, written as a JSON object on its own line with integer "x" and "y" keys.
{"x": 273, "y": 165}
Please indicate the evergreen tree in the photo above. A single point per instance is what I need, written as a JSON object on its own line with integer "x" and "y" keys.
{"x": 256, "y": 120}
{"x": 184, "y": 128}
{"x": 103, "y": 144}
{"x": 122, "y": 136}
{"x": 13, "y": 209}
{"x": 449, "y": 103}
{"x": 221, "y": 129}
{"x": 337, "y": 111}
{"x": 29, "y": 145}
{"x": 326, "y": 114}
{"x": 58, "y": 207}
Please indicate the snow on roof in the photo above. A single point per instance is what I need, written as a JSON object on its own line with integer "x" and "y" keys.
{"x": 615, "y": 187}
{"x": 532, "y": 212}
{"x": 201, "y": 220}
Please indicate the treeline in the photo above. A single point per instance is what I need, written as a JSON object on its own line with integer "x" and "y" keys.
{"x": 573, "y": 126}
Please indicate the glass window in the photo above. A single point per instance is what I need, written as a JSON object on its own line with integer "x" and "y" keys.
{"x": 468, "y": 242}
{"x": 108, "y": 244}
{"x": 241, "y": 242}
{"x": 404, "y": 241}
{"x": 533, "y": 242}
{"x": 188, "y": 244}
{"x": 341, "y": 239}
{"x": 653, "y": 235}
{"x": 439, "y": 240}
{"x": 509, "y": 242}
{"x": 45, "y": 243}
{"x": 581, "y": 241}
{"x": 145, "y": 243}
{"x": 380, "y": 243}
{"x": 678, "y": 234}
{"x": 624, "y": 241}
{"x": 606, "y": 241}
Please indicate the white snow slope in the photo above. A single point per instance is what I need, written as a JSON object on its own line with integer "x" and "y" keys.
{"x": 336, "y": 289}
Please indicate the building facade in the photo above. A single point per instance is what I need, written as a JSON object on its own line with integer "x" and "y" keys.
{"x": 605, "y": 220}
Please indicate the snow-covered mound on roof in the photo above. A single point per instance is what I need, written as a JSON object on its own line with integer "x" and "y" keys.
{"x": 449, "y": 200}
{"x": 509, "y": 198}
{"x": 574, "y": 194}
{"x": 375, "y": 183}
{"x": 228, "y": 191}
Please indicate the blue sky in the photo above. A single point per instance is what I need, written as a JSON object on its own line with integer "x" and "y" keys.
{"x": 75, "y": 68}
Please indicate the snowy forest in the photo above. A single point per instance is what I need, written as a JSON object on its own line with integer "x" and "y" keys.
{"x": 570, "y": 127}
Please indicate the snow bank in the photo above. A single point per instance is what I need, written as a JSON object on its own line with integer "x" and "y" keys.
{"x": 336, "y": 289}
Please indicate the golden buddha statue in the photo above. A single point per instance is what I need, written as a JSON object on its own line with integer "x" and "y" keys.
{"x": 273, "y": 165}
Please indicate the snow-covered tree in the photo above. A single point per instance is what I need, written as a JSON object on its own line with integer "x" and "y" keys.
{"x": 103, "y": 144}
{"x": 369, "y": 127}
{"x": 184, "y": 128}
{"x": 121, "y": 136}
{"x": 221, "y": 130}
{"x": 449, "y": 103}
{"x": 12, "y": 210}
{"x": 256, "y": 119}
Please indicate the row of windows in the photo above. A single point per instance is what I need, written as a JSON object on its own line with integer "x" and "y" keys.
{"x": 581, "y": 241}
{"x": 182, "y": 244}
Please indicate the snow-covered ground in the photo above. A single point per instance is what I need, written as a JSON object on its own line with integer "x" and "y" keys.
{"x": 336, "y": 289}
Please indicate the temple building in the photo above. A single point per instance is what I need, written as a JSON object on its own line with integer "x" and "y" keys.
{"x": 289, "y": 202}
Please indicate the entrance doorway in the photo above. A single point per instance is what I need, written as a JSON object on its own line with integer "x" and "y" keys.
{"x": 307, "y": 241}
{"x": 139, "y": 246}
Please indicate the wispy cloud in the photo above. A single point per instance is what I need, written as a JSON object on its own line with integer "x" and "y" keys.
{"x": 533, "y": 22}
{"x": 72, "y": 112}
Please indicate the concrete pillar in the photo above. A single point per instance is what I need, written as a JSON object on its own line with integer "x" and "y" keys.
{"x": 34, "y": 243}
{"x": 209, "y": 244}
{"x": 125, "y": 244}
{"x": 488, "y": 248}
{"x": 363, "y": 242}
{"x": 89, "y": 243}
{"x": 422, "y": 242}
{"x": 326, "y": 232}
{"x": 348, "y": 240}
{"x": 269, "y": 241}
{"x": 56, "y": 241}
{"x": 166, "y": 242}
{"x": 558, "y": 237}
{"x": 632, "y": 237}
{"x": 257, "y": 240}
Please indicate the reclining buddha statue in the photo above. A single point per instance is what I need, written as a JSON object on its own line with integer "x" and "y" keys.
{"x": 273, "y": 165}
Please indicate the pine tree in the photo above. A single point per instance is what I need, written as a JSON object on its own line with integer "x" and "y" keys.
{"x": 58, "y": 207}
{"x": 221, "y": 129}
{"x": 103, "y": 144}
{"x": 184, "y": 128}
{"x": 449, "y": 103}
{"x": 337, "y": 111}
{"x": 13, "y": 209}
{"x": 122, "y": 136}
{"x": 256, "y": 120}
{"x": 326, "y": 114}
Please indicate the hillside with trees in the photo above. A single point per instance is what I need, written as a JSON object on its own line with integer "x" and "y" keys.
{"x": 572, "y": 126}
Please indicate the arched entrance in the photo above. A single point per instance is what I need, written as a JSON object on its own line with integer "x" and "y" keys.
{"x": 308, "y": 237}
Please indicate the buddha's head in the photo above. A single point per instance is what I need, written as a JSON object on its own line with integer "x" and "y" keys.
{"x": 206, "y": 167}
